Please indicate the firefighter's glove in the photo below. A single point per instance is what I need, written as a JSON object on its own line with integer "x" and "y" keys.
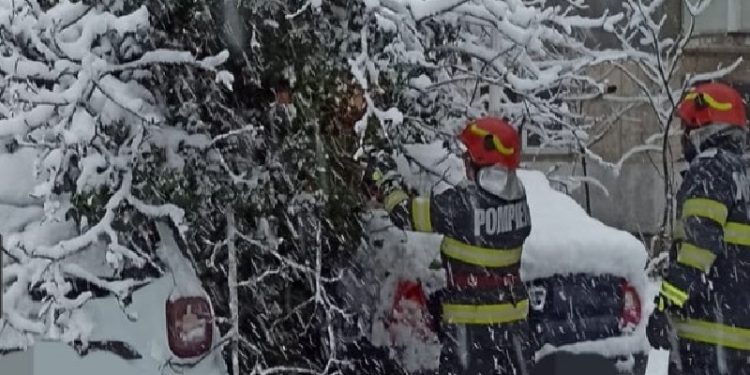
{"x": 671, "y": 298}
{"x": 669, "y": 303}
{"x": 659, "y": 329}
{"x": 380, "y": 175}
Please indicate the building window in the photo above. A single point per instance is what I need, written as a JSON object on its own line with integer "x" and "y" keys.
{"x": 720, "y": 17}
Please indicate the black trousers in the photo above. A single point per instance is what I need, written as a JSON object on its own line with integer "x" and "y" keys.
{"x": 696, "y": 358}
{"x": 501, "y": 349}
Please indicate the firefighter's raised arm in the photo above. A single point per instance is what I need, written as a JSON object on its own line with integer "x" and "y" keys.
{"x": 417, "y": 213}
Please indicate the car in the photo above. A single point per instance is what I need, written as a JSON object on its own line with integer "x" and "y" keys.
{"x": 167, "y": 329}
{"x": 587, "y": 281}
{"x": 168, "y": 326}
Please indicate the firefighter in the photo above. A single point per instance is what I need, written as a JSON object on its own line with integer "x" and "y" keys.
{"x": 485, "y": 221}
{"x": 705, "y": 295}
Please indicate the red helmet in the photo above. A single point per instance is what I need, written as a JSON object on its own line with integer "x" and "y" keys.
{"x": 491, "y": 141}
{"x": 712, "y": 103}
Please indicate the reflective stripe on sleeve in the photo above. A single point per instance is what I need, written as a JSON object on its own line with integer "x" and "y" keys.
{"x": 420, "y": 214}
{"x": 696, "y": 257}
{"x": 394, "y": 198}
{"x": 714, "y": 333}
{"x": 674, "y": 294}
{"x": 706, "y": 208}
{"x": 737, "y": 234}
{"x": 479, "y": 256}
{"x": 485, "y": 314}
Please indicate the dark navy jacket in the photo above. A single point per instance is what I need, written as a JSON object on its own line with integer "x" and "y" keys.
{"x": 482, "y": 246}
{"x": 711, "y": 262}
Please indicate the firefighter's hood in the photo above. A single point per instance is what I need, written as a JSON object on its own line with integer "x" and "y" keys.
{"x": 501, "y": 182}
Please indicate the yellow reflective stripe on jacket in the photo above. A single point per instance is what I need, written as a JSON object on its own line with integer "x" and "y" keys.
{"x": 737, "y": 234}
{"x": 696, "y": 257}
{"x": 707, "y": 208}
{"x": 674, "y": 294}
{"x": 394, "y": 198}
{"x": 420, "y": 214}
{"x": 479, "y": 256}
{"x": 485, "y": 314}
{"x": 714, "y": 333}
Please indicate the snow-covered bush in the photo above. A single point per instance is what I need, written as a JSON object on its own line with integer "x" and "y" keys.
{"x": 77, "y": 88}
{"x": 272, "y": 205}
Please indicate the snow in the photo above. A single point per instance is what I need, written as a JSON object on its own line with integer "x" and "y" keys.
{"x": 562, "y": 230}
{"x": 164, "y": 56}
{"x": 93, "y": 25}
{"x": 90, "y": 176}
{"x": 172, "y": 139}
{"x": 147, "y": 335}
{"x": 181, "y": 269}
{"x": 15, "y": 218}
{"x": 426, "y": 8}
{"x": 18, "y": 125}
{"x": 129, "y": 96}
{"x": 421, "y": 82}
{"x": 658, "y": 362}
{"x": 402, "y": 256}
{"x": 65, "y": 12}
{"x": 82, "y": 128}
{"x": 609, "y": 347}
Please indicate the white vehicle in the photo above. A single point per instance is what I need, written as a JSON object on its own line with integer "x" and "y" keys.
{"x": 140, "y": 344}
{"x": 589, "y": 291}
{"x": 167, "y": 329}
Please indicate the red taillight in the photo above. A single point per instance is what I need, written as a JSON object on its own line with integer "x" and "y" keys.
{"x": 189, "y": 326}
{"x": 631, "y": 307}
{"x": 409, "y": 312}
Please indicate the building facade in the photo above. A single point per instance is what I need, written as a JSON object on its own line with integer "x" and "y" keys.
{"x": 632, "y": 197}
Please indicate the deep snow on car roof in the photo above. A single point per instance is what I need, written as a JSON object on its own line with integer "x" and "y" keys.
{"x": 565, "y": 239}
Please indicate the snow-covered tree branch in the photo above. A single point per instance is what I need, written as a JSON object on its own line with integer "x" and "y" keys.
{"x": 459, "y": 60}
{"x": 76, "y": 86}
{"x": 654, "y": 66}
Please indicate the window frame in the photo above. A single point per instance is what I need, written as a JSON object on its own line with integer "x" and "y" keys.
{"x": 731, "y": 23}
